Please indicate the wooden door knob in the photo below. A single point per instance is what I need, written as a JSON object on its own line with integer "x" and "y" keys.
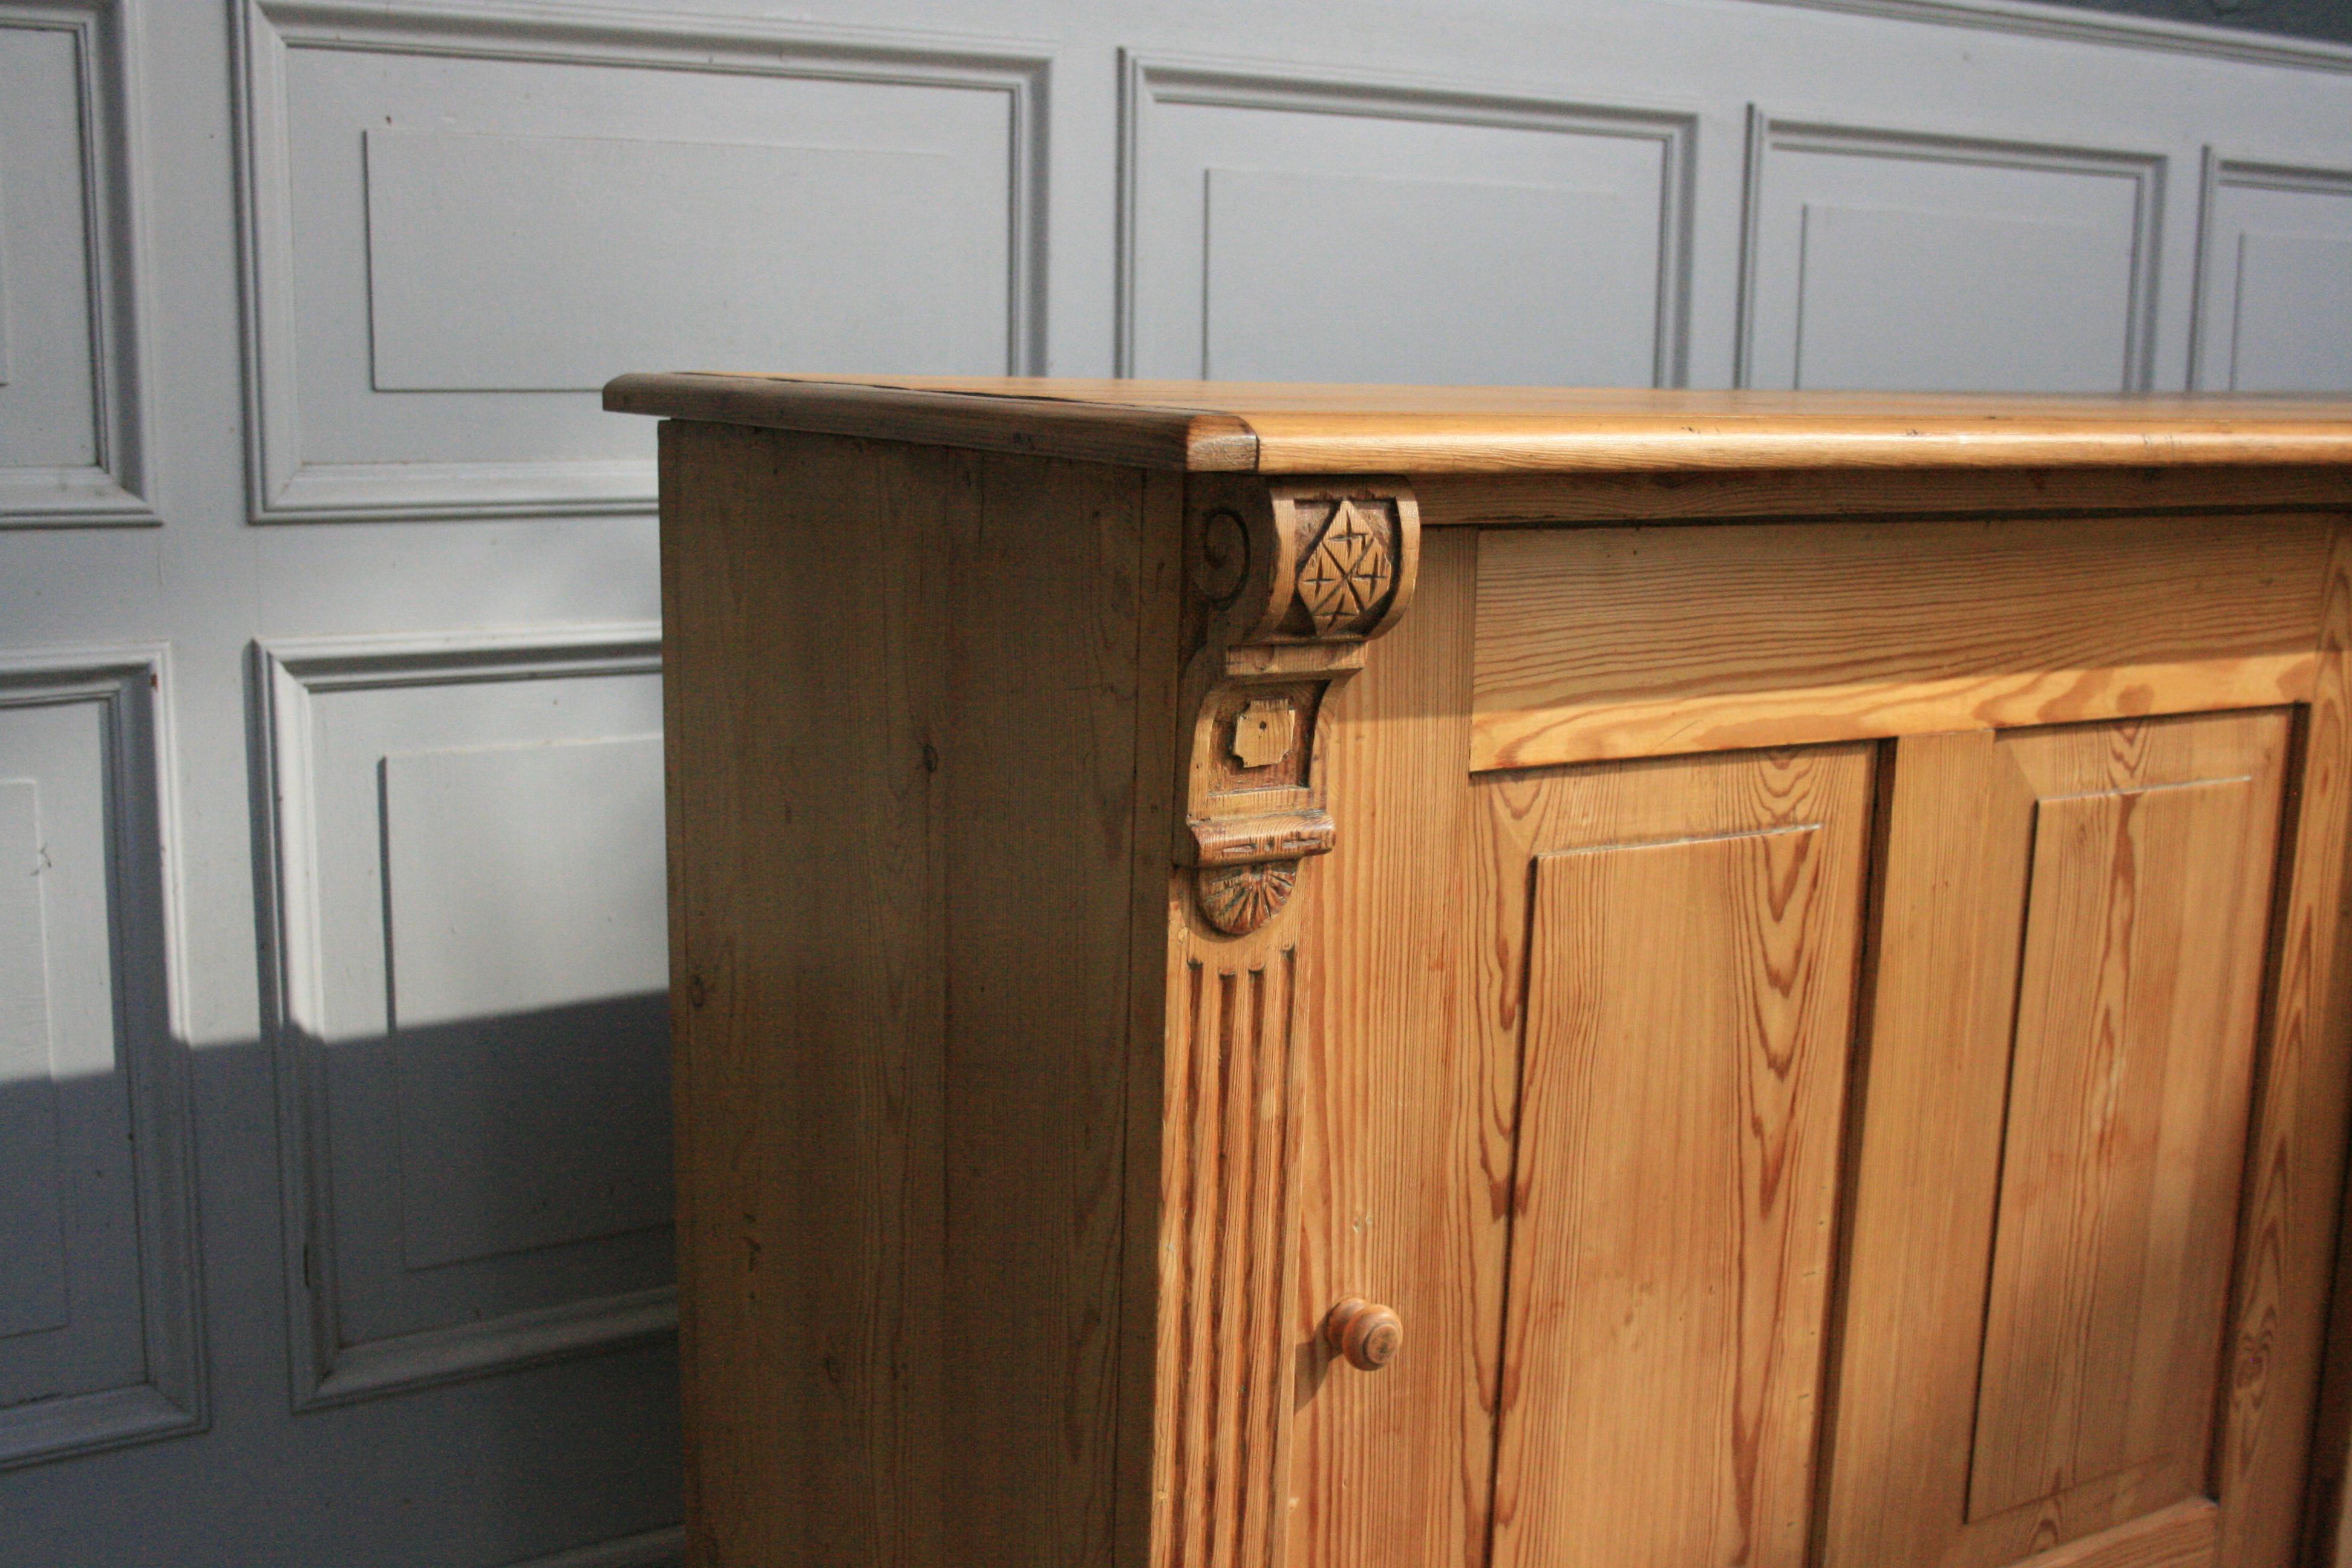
{"x": 1367, "y": 1334}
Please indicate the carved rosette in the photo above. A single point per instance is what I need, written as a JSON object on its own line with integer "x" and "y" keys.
{"x": 1289, "y": 580}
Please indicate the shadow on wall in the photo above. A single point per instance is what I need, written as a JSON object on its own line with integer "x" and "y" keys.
{"x": 474, "y": 1237}
{"x": 2329, "y": 19}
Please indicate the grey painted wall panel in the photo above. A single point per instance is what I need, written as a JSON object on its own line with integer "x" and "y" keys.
{"x": 32, "y": 1223}
{"x": 2275, "y": 311}
{"x": 73, "y": 425}
{"x": 2293, "y": 326}
{"x": 469, "y": 792}
{"x": 1890, "y": 259}
{"x": 1309, "y": 226}
{"x": 49, "y": 388}
{"x": 525, "y": 880}
{"x": 413, "y": 179}
{"x": 1890, "y": 300}
{"x": 1359, "y": 277}
{"x": 522, "y": 264}
{"x": 97, "y": 1332}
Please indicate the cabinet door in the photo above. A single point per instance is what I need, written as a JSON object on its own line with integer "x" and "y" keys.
{"x": 1917, "y": 1143}
{"x": 1690, "y": 940}
{"x": 2062, "y": 1041}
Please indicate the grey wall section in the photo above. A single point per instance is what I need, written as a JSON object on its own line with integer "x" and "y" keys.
{"x": 2294, "y": 18}
{"x": 333, "y": 1108}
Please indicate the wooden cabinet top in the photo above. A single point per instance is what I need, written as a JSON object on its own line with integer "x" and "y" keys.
{"x": 1277, "y": 428}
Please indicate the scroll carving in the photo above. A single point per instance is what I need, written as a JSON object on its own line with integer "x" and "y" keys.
{"x": 1289, "y": 582}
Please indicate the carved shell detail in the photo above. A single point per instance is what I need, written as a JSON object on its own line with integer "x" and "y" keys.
{"x": 1348, "y": 573}
{"x": 1240, "y": 898}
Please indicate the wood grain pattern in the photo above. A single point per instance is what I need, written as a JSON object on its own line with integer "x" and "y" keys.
{"x": 1138, "y": 1518}
{"x": 1282, "y": 429}
{"x": 1038, "y": 733}
{"x": 1229, "y": 1211}
{"x": 2294, "y": 1167}
{"x": 1406, "y": 1101}
{"x": 1689, "y": 1003}
{"x": 2182, "y": 1536}
{"x": 2130, "y": 1073}
{"x": 1631, "y": 642}
{"x": 810, "y": 998}
{"x": 1041, "y": 425}
{"x": 2058, "y": 1356}
{"x": 1014, "y": 1200}
{"x": 864, "y": 1062}
{"x": 1922, "y": 1180}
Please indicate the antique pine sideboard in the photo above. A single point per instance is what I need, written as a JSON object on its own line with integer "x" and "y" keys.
{"x": 1426, "y": 978}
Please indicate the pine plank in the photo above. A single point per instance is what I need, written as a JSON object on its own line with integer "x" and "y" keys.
{"x": 910, "y": 1339}
{"x": 1636, "y": 642}
{"x": 1404, "y": 1152}
{"x": 1306, "y": 428}
{"x": 2295, "y": 1156}
{"x": 1039, "y": 732}
{"x": 2129, "y": 1082}
{"x": 1689, "y": 1006}
{"x": 1552, "y": 499}
{"x": 1922, "y": 1180}
{"x": 809, "y": 1067}
{"x": 2182, "y": 1536}
{"x": 2033, "y": 1302}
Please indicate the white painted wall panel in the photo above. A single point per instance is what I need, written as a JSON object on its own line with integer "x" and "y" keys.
{"x": 520, "y": 264}
{"x": 72, "y": 427}
{"x": 97, "y": 1289}
{"x": 469, "y": 846}
{"x": 1354, "y": 278}
{"x": 1893, "y": 260}
{"x": 1307, "y": 228}
{"x": 2276, "y": 311}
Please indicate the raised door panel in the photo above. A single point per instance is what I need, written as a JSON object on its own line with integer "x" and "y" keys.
{"x": 2070, "y": 956}
{"x": 2126, "y": 1118}
{"x": 1692, "y": 937}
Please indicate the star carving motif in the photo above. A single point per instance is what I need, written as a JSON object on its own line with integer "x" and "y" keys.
{"x": 1348, "y": 573}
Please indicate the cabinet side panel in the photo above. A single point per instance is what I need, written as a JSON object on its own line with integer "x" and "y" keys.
{"x": 1141, "y": 1255}
{"x": 806, "y": 659}
{"x": 1041, "y": 767}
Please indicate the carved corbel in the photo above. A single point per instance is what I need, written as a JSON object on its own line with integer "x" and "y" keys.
{"x": 1289, "y": 580}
